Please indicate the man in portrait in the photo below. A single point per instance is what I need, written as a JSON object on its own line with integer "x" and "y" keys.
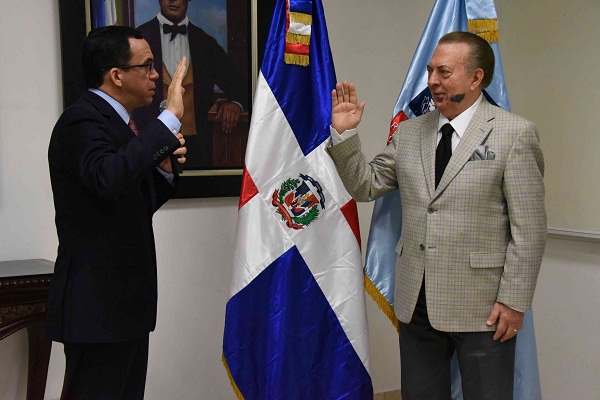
{"x": 172, "y": 35}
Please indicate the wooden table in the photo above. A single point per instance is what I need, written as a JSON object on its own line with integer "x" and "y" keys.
{"x": 23, "y": 298}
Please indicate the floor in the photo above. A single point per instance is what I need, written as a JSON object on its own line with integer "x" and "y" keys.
{"x": 395, "y": 395}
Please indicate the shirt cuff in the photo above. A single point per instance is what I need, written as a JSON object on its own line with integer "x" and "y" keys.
{"x": 170, "y": 121}
{"x": 337, "y": 138}
{"x": 168, "y": 175}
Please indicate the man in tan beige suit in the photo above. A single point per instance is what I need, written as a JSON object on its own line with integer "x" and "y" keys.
{"x": 473, "y": 232}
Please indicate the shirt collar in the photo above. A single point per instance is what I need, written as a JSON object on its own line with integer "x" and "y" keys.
{"x": 461, "y": 122}
{"x": 163, "y": 20}
{"x": 114, "y": 104}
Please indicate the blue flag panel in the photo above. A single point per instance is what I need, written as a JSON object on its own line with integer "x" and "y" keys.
{"x": 283, "y": 316}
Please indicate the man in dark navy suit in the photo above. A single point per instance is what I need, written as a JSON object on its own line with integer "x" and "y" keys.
{"x": 108, "y": 178}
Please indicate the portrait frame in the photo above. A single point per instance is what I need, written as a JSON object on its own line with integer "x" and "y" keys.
{"x": 75, "y": 22}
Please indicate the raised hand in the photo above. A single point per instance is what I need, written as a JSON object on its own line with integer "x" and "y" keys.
{"x": 346, "y": 113}
{"x": 176, "y": 90}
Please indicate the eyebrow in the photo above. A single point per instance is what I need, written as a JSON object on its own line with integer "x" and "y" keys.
{"x": 438, "y": 67}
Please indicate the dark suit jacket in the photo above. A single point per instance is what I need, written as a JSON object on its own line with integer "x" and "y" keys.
{"x": 106, "y": 189}
{"x": 211, "y": 66}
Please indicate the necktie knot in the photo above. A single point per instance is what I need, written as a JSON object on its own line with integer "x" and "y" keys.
{"x": 447, "y": 130}
{"x": 174, "y": 30}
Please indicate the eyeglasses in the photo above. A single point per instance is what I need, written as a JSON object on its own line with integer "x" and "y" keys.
{"x": 149, "y": 65}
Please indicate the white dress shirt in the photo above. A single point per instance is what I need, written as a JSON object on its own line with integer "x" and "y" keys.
{"x": 172, "y": 51}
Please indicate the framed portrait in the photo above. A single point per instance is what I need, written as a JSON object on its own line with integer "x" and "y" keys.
{"x": 223, "y": 40}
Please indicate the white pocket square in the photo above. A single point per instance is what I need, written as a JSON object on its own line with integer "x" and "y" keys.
{"x": 483, "y": 153}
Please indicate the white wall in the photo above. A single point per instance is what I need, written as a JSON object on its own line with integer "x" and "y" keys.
{"x": 29, "y": 106}
{"x": 552, "y": 58}
{"x": 548, "y": 48}
{"x": 372, "y": 44}
{"x": 567, "y": 327}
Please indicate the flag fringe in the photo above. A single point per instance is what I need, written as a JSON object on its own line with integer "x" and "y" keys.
{"x": 235, "y": 388}
{"x": 490, "y": 37}
{"x": 297, "y": 59}
{"x": 301, "y": 18}
{"x": 295, "y": 38}
{"x": 485, "y": 28}
{"x": 483, "y": 25}
{"x": 381, "y": 302}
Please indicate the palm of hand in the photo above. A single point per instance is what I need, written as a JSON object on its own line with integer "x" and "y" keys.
{"x": 345, "y": 116}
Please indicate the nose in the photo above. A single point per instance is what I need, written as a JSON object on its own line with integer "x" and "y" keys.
{"x": 433, "y": 79}
{"x": 153, "y": 75}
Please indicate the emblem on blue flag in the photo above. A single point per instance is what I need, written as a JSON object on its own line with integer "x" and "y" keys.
{"x": 422, "y": 103}
{"x": 297, "y": 201}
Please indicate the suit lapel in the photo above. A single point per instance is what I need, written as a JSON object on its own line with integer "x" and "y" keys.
{"x": 113, "y": 118}
{"x": 428, "y": 146}
{"x": 478, "y": 129}
{"x": 125, "y": 134}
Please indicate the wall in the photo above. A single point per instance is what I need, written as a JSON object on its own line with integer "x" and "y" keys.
{"x": 372, "y": 46}
{"x": 567, "y": 329}
{"x": 29, "y": 106}
{"x": 552, "y": 52}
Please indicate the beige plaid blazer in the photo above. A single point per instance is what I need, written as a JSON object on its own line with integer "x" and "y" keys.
{"x": 480, "y": 236}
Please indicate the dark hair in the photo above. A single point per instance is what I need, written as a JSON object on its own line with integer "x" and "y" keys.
{"x": 482, "y": 55}
{"x": 105, "y": 48}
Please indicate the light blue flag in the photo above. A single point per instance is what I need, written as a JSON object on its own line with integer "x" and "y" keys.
{"x": 477, "y": 16}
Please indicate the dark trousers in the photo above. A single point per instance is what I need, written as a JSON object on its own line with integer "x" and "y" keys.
{"x": 106, "y": 371}
{"x": 486, "y": 366}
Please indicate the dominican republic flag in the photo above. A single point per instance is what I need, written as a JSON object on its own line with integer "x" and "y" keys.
{"x": 295, "y": 323}
{"x": 477, "y": 16}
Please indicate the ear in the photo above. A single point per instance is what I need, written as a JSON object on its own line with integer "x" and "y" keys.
{"x": 115, "y": 77}
{"x": 477, "y": 78}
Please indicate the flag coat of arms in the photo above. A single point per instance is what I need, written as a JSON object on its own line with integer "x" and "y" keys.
{"x": 479, "y": 17}
{"x": 295, "y": 323}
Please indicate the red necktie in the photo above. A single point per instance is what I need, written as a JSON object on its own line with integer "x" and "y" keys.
{"x": 132, "y": 126}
